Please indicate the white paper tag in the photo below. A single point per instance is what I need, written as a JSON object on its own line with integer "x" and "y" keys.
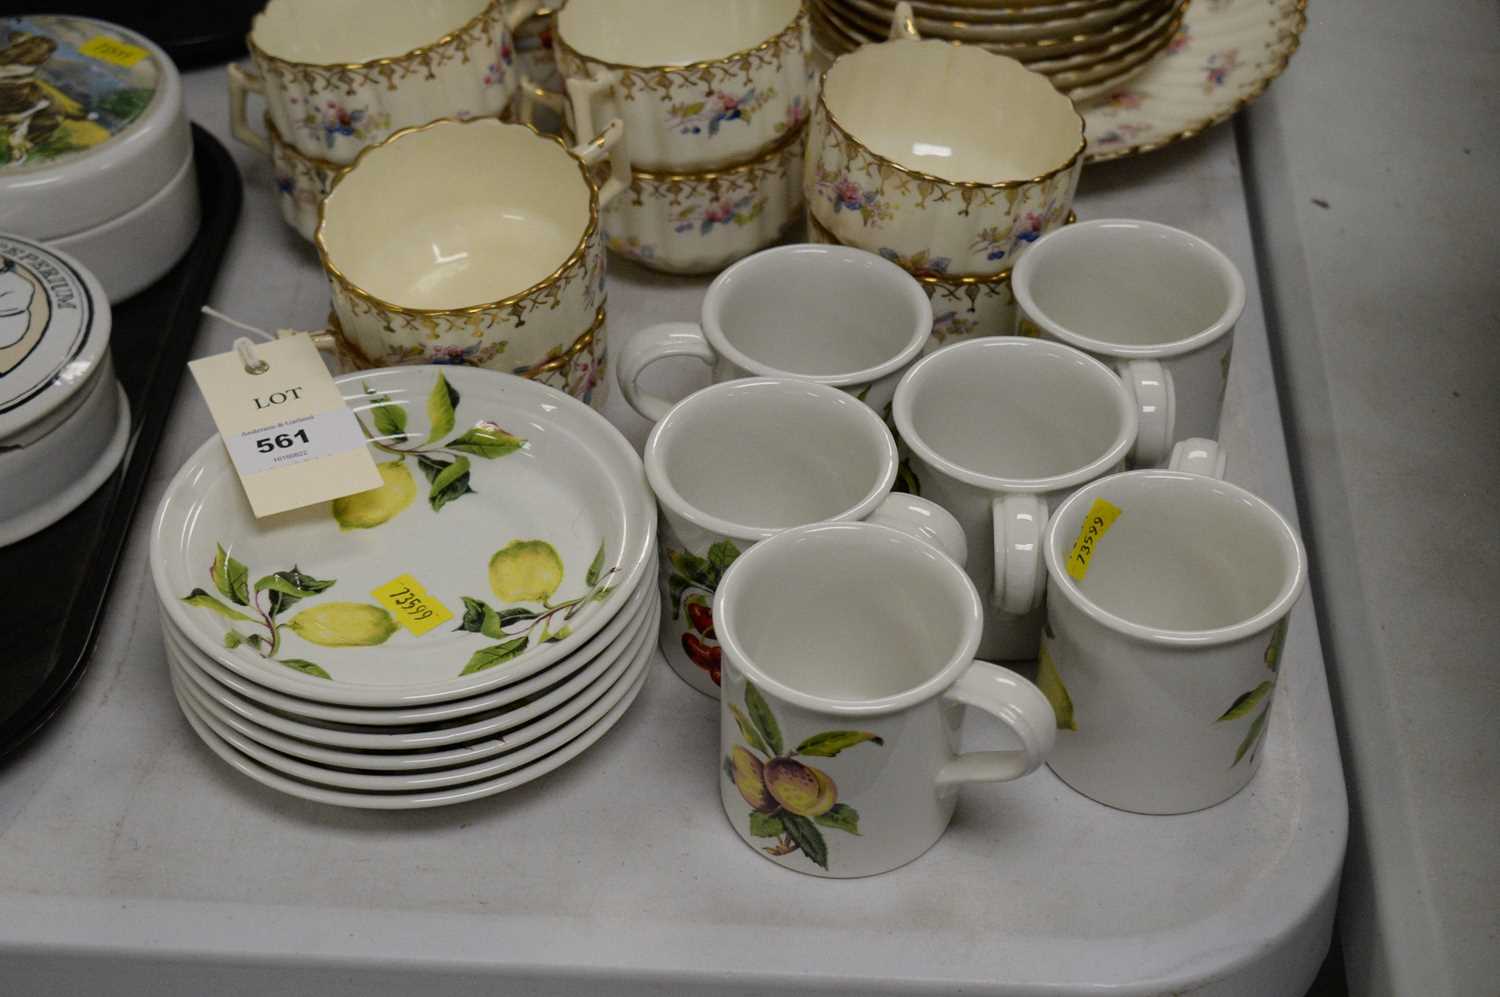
{"x": 292, "y": 439}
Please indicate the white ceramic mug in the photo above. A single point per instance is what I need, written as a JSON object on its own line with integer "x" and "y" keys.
{"x": 744, "y": 460}
{"x": 1163, "y": 646}
{"x": 849, "y": 660}
{"x": 1158, "y": 303}
{"x": 828, "y": 314}
{"x": 1000, "y": 430}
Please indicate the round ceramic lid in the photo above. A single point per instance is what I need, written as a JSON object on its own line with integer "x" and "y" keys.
{"x": 54, "y": 335}
{"x": 91, "y": 123}
{"x": 512, "y": 523}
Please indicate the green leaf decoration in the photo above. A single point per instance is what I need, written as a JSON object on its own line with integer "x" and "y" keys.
{"x": 306, "y": 668}
{"x": 1251, "y": 736}
{"x": 676, "y": 586}
{"x": 257, "y": 641}
{"x": 765, "y": 720}
{"x": 766, "y": 825}
{"x": 489, "y": 657}
{"x": 1273, "y": 649}
{"x": 806, "y": 837}
{"x": 201, "y": 599}
{"x": 440, "y": 405}
{"x": 432, "y": 466}
{"x": 596, "y": 568}
{"x": 840, "y": 817}
{"x": 487, "y": 440}
{"x": 692, "y": 567}
{"x": 831, "y": 742}
{"x": 604, "y": 593}
{"x": 233, "y": 639}
{"x": 720, "y": 556}
{"x": 480, "y": 618}
{"x": 390, "y": 419}
{"x": 556, "y": 636}
{"x": 230, "y": 577}
{"x": 747, "y": 730}
{"x": 1051, "y": 685}
{"x": 451, "y": 483}
{"x": 1242, "y": 706}
{"x": 288, "y": 587}
{"x": 516, "y": 615}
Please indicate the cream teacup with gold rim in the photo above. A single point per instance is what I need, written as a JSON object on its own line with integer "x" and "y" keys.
{"x": 946, "y": 158}
{"x": 339, "y": 76}
{"x": 699, "y": 83}
{"x": 474, "y": 243}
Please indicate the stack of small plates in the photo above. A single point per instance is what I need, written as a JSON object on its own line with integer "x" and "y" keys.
{"x": 1084, "y": 46}
{"x": 477, "y": 621}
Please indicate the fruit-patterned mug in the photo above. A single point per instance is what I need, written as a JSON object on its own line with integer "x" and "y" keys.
{"x": 849, "y": 660}
{"x": 829, "y": 314}
{"x": 742, "y": 461}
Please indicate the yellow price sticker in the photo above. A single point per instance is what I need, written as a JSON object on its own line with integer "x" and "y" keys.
{"x": 413, "y": 607}
{"x": 1101, "y": 517}
{"x": 113, "y": 50}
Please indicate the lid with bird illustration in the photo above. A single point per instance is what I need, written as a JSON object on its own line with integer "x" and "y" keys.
{"x": 54, "y": 335}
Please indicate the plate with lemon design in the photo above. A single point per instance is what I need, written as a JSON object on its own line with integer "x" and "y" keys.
{"x": 511, "y": 524}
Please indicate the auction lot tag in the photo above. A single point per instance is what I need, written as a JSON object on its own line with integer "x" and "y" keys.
{"x": 292, "y": 439}
{"x": 414, "y": 608}
{"x": 1101, "y": 517}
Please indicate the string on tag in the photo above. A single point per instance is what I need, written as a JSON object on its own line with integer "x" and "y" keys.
{"x": 249, "y": 358}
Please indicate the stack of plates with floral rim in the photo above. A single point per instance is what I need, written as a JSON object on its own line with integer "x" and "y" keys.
{"x": 478, "y": 620}
{"x": 1085, "y": 47}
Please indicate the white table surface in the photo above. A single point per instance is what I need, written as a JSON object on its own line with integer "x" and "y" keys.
{"x": 1374, "y": 162}
{"x": 136, "y": 862}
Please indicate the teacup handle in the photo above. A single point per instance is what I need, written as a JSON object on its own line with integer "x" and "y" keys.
{"x": 243, "y": 81}
{"x": 1199, "y": 456}
{"x": 1017, "y": 704}
{"x": 904, "y": 24}
{"x": 925, "y": 520}
{"x": 531, "y": 95}
{"x": 609, "y": 142}
{"x": 1155, "y": 398}
{"x": 670, "y": 339}
{"x": 1020, "y": 581}
{"x": 519, "y": 11}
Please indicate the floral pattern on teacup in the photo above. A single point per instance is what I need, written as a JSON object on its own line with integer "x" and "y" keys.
{"x": 710, "y": 113}
{"x": 1217, "y": 68}
{"x": 332, "y": 120}
{"x": 918, "y": 264}
{"x": 724, "y": 211}
{"x": 789, "y": 799}
{"x": 844, "y": 193}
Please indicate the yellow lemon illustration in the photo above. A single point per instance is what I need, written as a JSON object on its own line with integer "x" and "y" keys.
{"x": 525, "y": 571}
{"x": 1052, "y": 687}
{"x": 344, "y": 624}
{"x": 363, "y": 510}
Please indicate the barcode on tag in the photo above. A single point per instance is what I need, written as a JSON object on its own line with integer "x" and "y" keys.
{"x": 1100, "y": 518}
{"x": 414, "y": 608}
{"x": 294, "y": 441}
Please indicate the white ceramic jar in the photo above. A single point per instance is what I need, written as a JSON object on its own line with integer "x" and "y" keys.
{"x": 96, "y": 154}
{"x": 64, "y": 421}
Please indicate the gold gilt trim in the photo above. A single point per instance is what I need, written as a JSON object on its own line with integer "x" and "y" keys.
{"x": 748, "y": 175}
{"x": 1124, "y": 61}
{"x": 309, "y": 164}
{"x": 1292, "y": 35}
{"x": 479, "y": 29}
{"x": 931, "y": 281}
{"x": 848, "y": 142}
{"x": 662, "y": 79}
{"x": 568, "y": 356}
{"x": 547, "y": 291}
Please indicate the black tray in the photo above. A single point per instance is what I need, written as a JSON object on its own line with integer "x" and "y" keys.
{"x": 56, "y": 582}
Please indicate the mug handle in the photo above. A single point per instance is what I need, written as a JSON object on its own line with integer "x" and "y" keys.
{"x": 1020, "y": 581}
{"x": 927, "y": 521}
{"x": 608, "y": 142}
{"x": 904, "y": 24}
{"x": 243, "y": 81}
{"x": 1199, "y": 456}
{"x": 1017, "y": 704}
{"x": 520, "y": 12}
{"x": 1155, "y": 398}
{"x": 670, "y": 339}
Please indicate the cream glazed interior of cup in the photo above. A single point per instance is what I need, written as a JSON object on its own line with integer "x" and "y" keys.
{"x": 1188, "y": 555}
{"x": 953, "y": 111}
{"x": 759, "y": 455}
{"x": 1015, "y": 410}
{"x": 671, "y": 32}
{"x": 775, "y": 311}
{"x": 323, "y": 32}
{"x": 1126, "y": 283}
{"x": 848, "y": 611}
{"x": 453, "y": 215}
